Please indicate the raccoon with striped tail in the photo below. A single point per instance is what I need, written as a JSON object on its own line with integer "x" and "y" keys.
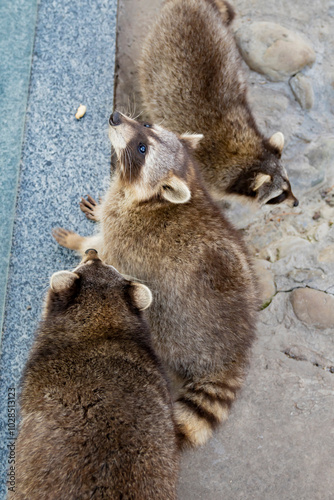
{"x": 191, "y": 78}
{"x": 158, "y": 224}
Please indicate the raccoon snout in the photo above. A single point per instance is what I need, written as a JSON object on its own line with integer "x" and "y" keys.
{"x": 115, "y": 119}
{"x": 90, "y": 254}
{"x": 296, "y": 203}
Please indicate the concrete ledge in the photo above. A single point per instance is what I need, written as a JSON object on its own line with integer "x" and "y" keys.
{"x": 62, "y": 159}
{"x": 17, "y": 29}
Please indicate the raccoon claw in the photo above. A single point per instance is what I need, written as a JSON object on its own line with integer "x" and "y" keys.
{"x": 68, "y": 239}
{"x": 90, "y": 208}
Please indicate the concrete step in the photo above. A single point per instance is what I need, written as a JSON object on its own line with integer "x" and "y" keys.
{"x": 60, "y": 160}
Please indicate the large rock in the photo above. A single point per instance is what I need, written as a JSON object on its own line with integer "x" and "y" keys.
{"x": 313, "y": 307}
{"x": 273, "y": 50}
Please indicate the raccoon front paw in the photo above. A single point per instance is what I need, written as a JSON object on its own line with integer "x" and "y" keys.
{"x": 90, "y": 208}
{"x": 67, "y": 239}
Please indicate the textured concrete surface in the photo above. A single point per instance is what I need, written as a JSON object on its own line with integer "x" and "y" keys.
{"x": 278, "y": 442}
{"x": 62, "y": 159}
{"x": 17, "y": 30}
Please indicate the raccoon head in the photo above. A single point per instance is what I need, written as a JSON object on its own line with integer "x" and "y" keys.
{"x": 152, "y": 162}
{"x": 94, "y": 295}
{"x": 267, "y": 180}
{"x": 273, "y": 187}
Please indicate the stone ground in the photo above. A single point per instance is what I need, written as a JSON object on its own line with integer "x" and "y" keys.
{"x": 278, "y": 442}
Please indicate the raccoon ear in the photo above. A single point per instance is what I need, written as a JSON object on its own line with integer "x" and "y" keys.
{"x": 62, "y": 280}
{"x": 142, "y": 295}
{"x": 277, "y": 141}
{"x": 176, "y": 191}
{"x": 192, "y": 140}
{"x": 260, "y": 179}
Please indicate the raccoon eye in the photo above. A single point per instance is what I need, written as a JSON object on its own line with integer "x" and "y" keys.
{"x": 147, "y": 125}
{"x": 278, "y": 199}
{"x": 142, "y": 148}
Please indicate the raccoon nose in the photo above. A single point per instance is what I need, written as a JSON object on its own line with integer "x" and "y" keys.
{"x": 296, "y": 203}
{"x": 115, "y": 119}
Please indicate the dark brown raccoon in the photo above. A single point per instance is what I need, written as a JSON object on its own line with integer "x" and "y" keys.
{"x": 159, "y": 225}
{"x": 191, "y": 79}
{"x": 96, "y": 411}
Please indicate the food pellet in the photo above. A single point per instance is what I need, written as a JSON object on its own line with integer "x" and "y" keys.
{"x": 80, "y": 112}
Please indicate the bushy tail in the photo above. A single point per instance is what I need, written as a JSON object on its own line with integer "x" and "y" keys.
{"x": 202, "y": 406}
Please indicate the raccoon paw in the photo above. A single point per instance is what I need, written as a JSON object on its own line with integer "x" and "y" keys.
{"x": 67, "y": 239}
{"x": 90, "y": 208}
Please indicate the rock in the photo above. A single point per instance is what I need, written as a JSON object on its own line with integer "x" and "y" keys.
{"x": 313, "y": 307}
{"x": 270, "y": 107}
{"x": 259, "y": 239}
{"x": 321, "y": 155}
{"x": 327, "y": 213}
{"x": 318, "y": 232}
{"x": 304, "y": 176}
{"x": 267, "y": 286}
{"x": 302, "y": 89}
{"x": 284, "y": 247}
{"x": 307, "y": 276}
{"x": 303, "y": 353}
{"x": 321, "y": 231}
{"x": 330, "y": 200}
{"x": 273, "y": 50}
{"x": 302, "y": 221}
{"x": 327, "y": 255}
{"x": 272, "y": 101}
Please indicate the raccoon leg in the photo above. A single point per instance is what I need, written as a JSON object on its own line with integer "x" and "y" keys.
{"x": 74, "y": 241}
{"x": 90, "y": 208}
{"x": 203, "y": 404}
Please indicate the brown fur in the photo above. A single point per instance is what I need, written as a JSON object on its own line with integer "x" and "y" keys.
{"x": 160, "y": 226}
{"x": 95, "y": 406}
{"x": 191, "y": 79}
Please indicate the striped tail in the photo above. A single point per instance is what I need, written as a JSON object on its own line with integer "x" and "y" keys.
{"x": 202, "y": 406}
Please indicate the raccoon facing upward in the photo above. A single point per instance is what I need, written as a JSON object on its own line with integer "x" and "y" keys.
{"x": 159, "y": 225}
{"x": 96, "y": 410}
{"x": 191, "y": 79}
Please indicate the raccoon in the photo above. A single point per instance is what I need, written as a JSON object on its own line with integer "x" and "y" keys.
{"x": 96, "y": 409}
{"x": 191, "y": 79}
{"x": 159, "y": 225}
